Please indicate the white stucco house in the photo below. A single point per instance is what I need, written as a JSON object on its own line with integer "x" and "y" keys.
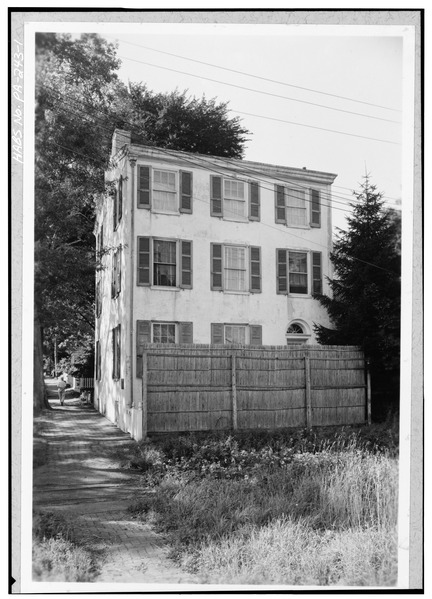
{"x": 203, "y": 249}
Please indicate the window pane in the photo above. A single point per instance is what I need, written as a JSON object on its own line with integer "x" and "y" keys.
{"x": 164, "y": 180}
{"x": 164, "y": 260}
{"x": 296, "y": 207}
{"x": 235, "y": 269}
{"x": 163, "y": 333}
{"x": 163, "y": 200}
{"x": 233, "y": 190}
{"x": 298, "y": 272}
{"x": 298, "y": 262}
{"x": 234, "y": 208}
{"x": 235, "y": 334}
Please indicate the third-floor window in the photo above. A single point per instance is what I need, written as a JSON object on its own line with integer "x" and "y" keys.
{"x": 163, "y": 190}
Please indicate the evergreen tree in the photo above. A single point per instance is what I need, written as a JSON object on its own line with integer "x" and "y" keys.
{"x": 364, "y": 307}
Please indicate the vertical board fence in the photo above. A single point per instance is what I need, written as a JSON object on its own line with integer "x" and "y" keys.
{"x": 215, "y": 387}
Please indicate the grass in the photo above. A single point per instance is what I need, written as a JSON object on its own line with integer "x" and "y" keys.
{"x": 57, "y": 556}
{"x": 296, "y": 507}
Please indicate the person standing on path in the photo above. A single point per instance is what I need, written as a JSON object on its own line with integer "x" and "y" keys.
{"x": 61, "y": 386}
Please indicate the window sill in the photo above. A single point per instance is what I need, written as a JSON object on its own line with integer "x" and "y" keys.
{"x": 166, "y": 212}
{"x": 163, "y": 288}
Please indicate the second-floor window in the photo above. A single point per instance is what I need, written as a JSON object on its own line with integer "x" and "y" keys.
{"x": 164, "y": 262}
{"x": 235, "y": 268}
{"x": 232, "y": 199}
{"x": 296, "y": 207}
{"x": 298, "y": 272}
{"x": 163, "y": 190}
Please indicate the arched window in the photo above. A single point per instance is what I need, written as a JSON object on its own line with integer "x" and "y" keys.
{"x": 297, "y": 333}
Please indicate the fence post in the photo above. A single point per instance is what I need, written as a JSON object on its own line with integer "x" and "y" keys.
{"x": 234, "y": 391}
{"x": 144, "y": 394}
{"x": 308, "y": 393}
{"x": 368, "y": 394}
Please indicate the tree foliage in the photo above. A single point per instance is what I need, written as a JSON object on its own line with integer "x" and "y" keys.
{"x": 80, "y": 101}
{"x": 365, "y": 303}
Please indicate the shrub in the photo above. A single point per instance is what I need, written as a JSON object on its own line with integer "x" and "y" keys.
{"x": 56, "y": 554}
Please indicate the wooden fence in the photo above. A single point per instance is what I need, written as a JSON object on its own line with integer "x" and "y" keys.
{"x": 214, "y": 387}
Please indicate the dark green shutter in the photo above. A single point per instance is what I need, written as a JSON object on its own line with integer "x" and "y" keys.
{"x": 113, "y": 275}
{"x": 113, "y": 333}
{"x": 216, "y": 267}
{"x": 281, "y": 271}
{"x": 255, "y": 269}
{"x": 255, "y": 334}
{"x": 316, "y": 272}
{"x": 186, "y": 192}
{"x": 217, "y": 333}
{"x": 118, "y": 285}
{"x": 120, "y": 199}
{"x": 143, "y": 335}
{"x": 280, "y": 212}
{"x": 186, "y": 332}
{"x": 118, "y": 351}
{"x": 186, "y": 264}
{"x": 254, "y": 201}
{"x": 144, "y": 200}
{"x": 315, "y": 208}
{"x": 143, "y": 275}
{"x": 215, "y": 196}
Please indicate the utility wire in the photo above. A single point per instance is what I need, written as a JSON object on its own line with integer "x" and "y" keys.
{"x": 259, "y": 91}
{"x": 257, "y": 76}
{"x": 291, "y": 234}
{"x": 260, "y": 116}
{"x": 78, "y": 103}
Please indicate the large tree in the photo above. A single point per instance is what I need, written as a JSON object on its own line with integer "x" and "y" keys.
{"x": 79, "y": 102}
{"x": 364, "y": 307}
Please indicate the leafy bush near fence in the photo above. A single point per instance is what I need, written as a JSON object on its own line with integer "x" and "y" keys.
{"x": 232, "y": 505}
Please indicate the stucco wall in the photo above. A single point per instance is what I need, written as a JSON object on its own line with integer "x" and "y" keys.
{"x": 200, "y": 305}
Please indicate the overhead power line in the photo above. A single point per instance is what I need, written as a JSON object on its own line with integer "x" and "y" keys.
{"x": 132, "y": 126}
{"x": 259, "y": 91}
{"x": 315, "y": 91}
{"x": 260, "y": 116}
{"x": 207, "y": 202}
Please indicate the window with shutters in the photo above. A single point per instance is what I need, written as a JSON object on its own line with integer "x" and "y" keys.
{"x": 235, "y": 269}
{"x": 232, "y": 199}
{"x": 242, "y": 334}
{"x": 164, "y": 262}
{"x": 160, "y": 332}
{"x": 298, "y": 272}
{"x": 297, "y": 207}
{"x": 164, "y": 191}
{"x": 116, "y": 274}
{"x": 116, "y": 352}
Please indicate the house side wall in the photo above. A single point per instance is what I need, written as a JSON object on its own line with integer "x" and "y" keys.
{"x": 120, "y": 400}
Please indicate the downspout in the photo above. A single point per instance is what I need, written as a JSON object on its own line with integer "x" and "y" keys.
{"x": 132, "y": 162}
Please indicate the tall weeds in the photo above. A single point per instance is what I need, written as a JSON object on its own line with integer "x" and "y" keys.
{"x": 276, "y": 514}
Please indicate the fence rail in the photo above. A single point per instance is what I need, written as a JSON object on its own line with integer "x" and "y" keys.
{"x": 204, "y": 387}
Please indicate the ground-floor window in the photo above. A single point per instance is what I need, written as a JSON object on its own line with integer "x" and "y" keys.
{"x": 243, "y": 334}
{"x": 149, "y": 331}
{"x": 297, "y": 333}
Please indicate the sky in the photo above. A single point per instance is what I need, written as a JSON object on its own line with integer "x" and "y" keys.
{"x": 346, "y": 120}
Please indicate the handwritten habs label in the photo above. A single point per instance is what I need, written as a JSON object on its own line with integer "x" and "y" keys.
{"x": 18, "y": 95}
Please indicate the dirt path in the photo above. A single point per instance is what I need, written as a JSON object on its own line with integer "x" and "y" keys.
{"x": 82, "y": 476}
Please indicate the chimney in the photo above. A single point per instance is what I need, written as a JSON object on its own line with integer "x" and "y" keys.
{"x": 119, "y": 139}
